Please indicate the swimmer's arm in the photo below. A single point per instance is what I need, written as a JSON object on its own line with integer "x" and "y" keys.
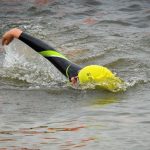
{"x": 33, "y": 42}
{"x": 60, "y": 62}
{"x": 10, "y": 35}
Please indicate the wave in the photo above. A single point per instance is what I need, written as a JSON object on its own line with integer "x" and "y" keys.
{"x": 24, "y": 68}
{"x": 24, "y": 64}
{"x": 117, "y": 22}
{"x": 134, "y": 7}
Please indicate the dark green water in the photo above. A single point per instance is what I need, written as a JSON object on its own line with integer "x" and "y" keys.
{"x": 39, "y": 110}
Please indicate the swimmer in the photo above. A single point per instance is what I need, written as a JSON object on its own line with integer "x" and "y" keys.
{"x": 94, "y": 74}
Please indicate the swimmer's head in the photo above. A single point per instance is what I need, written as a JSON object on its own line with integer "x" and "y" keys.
{"x": 93, "y": 73}
{"x": 98, "y": 75}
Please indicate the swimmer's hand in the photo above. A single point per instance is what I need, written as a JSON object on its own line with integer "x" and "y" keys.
{"x": 74, "y": 81}
{"x": 10, "y": 35}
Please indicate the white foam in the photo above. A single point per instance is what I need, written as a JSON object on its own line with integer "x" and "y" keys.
{"x": 23, "y": 63}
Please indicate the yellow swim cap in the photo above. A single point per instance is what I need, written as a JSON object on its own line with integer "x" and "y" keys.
{"x": 99, "y": 76}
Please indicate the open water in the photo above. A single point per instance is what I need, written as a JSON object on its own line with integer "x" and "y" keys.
{"x": 39, "y": 110}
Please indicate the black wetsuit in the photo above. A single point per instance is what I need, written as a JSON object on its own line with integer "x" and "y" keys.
{"x": 66, "y": 67}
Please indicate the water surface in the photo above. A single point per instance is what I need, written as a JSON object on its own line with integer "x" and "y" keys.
{"x": 40, "y": 110}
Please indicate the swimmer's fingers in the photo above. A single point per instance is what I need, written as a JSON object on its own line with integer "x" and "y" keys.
{"x": 10, "y": 35}
{"x": 7, "y": 38}
{"x": 74, "y": 80}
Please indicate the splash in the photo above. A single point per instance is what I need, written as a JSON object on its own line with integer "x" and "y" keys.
{"x": 135, "y": 81}
{"x": 23, "y": 63}
{"x": 108, "y": 85}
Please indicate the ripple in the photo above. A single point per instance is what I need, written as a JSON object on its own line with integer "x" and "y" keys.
{"x": 147, "y": 17}
{"x": 113, "y": 33}
{"x": 145, "y": 122}
{"x": 35, "y": 11}
{"x": 123, "y": 62}
{"x": 141, "y": 22}
{"x": 134, "y": 7}
{"x": 91, "y": 3}
{"x": 118, "y": 22}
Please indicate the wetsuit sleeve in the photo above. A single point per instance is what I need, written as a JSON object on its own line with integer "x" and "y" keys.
{"x": 65, "y": 66}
